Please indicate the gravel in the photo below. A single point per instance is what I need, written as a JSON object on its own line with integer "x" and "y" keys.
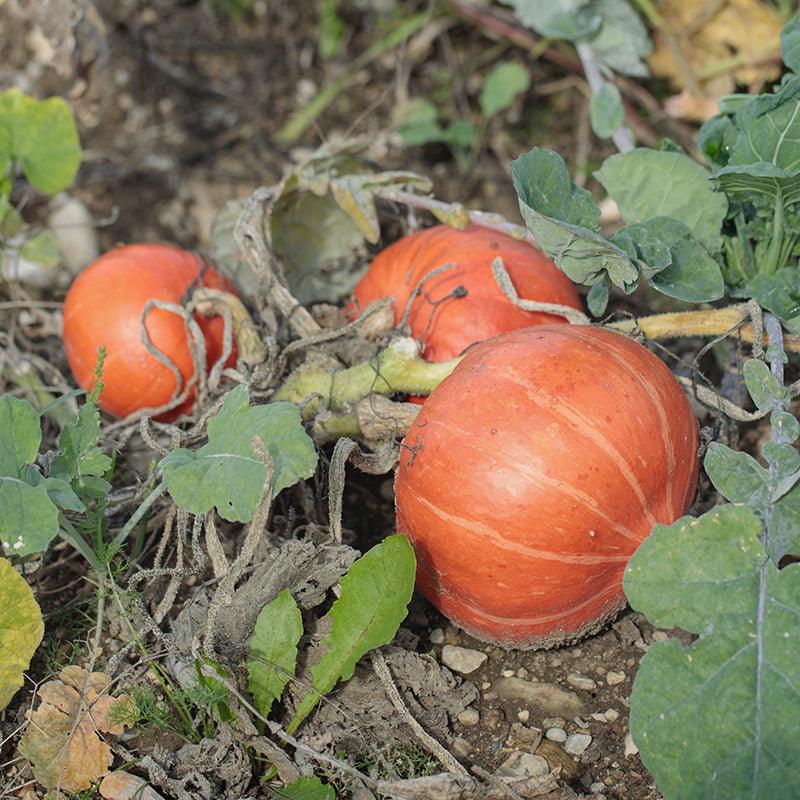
{"x": 462, "y": 660}
{"x": 577, "y": 743}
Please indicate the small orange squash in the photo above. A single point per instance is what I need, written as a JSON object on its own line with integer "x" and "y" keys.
{"x": 532, "y": 474}
{"x": 464, "y": 304}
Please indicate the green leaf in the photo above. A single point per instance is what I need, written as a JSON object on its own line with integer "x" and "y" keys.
{"x": 764, "y": 387}
{"x": 606, "y": 111}
{"x": 738, "y": 477}
{"x": 21, "y": 630}
{"x": 716, "y": 139}
{"x": 597, "y": 299}
{"x": 41, "y": 248}
{"x": 622, "y": 42}
{"x": 20, "y": 435}
{"x": 460, "y": 133}
{"x": 330, "y": 28}
{"x": 79, "y": 456}
{"x": 693, "y": 275}
{"x": 42, "y": 136}
{"x": 654, "y": 183}
{"x": 502, "y": 86}
{"x": 372, "y": 604}
{"x": 717, "y": 719}
{"x": 565, "y": 221}
{"x": 759, "y": 178}
{"x": 273, "y": 650}
{"x": 644, "y": 248}
{"x": 29, "y": 521}
{"x": 417, "y": 123}
{"x": 558, "y": 19}
{"x": 790, "y": 44}
{"x": 778, "y": 293}
{"x": 785, "y": 526}
{"x": 226, "y": 472}
{"x": 62, "y": 494}
{"x": 306, "y": 789}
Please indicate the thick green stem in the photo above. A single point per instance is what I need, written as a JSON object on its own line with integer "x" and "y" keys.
{"x": 397, "y": 369}
{"x": 773, "y": 255}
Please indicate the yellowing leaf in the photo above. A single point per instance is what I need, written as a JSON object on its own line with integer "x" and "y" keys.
{"x": 739, "y": 43}
{"x": 21, "y": 630}
{"x": 65, "y": 750}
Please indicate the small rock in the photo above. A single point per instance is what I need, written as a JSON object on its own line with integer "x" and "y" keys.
{"x": 660, "y": 636}
{"x": 490, "y": 695}
{"x": 599, "y": 717}
{"x": 462, "y": 746}
{"x": 462, "y": 660}
{"x": 581, "y": 682}
{"x": 612, "y": 715}
{"x": 436, "y": 636}
{"x": 597, "y": 787}
{"x": 522, "y": 673}
{"x": 548, "y": 697}
{"x": 556, "y": 735}
{"x": 523, "y": 765}
{"x": 523, "y": 736}
{"x": 492, "y": 718}
{"x": 553, "y": 722}
{"x": 507, "y": 673}
{"x": 630, "y": 747}
{"x": 627, "y": 631}
{"x": 581, "y": 723}
{"x": 613, "y": 678}
{"x": 577, "y": 743}
{"x": 469, "y": 716}
{"x": 486, "y": 685}
{"x": 556, "y": 757}
{"x": 524, "y": 715}
{"x": 75, "y": 231}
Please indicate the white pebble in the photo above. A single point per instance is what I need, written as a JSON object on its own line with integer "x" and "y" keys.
{"x": 581, "y": 682}
{"x": 597, "y": 787}
{"x": 469, "y": 716}
{"x": 577, "y": 743}
{"x": 612, "y": 715}
{"x": 524, "y": 715}
{"x": 613, "y": 678}
{"x": 630, "y": 746}
{"x": 436, "y": 636}
{"x": 660, "y": 636}
{"x": 556, "y": 735}
{"x": 461, "y": 659}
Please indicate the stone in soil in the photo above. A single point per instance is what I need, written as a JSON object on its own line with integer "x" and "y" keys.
{"x": 597, "y": 787}
{"x": 581, "y": 682}
{"x": 523, "y": 736}
{"x": 436, "y": 636}
{"x": 556, "y": 757}
{"x": 556, "y": 735}
{"x": 469, "y": 716}
{"x": 577, "y": 743}
{"x": 630, "y": 747}
{"x": 549, "y": 698}
{"x": 613, "y": 678}
{"x": 461, "y": 659}
{"x": 523, "y": 765}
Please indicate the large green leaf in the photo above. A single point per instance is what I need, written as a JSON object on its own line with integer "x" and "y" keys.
{"x": 502, "y": 86}
{"x": 226, "y": 472}
{"x": 653, "y": 183}
{"x": 558, "y": 19}
{"x": 778, "y": 293}
{"x": 565, "y": 222}
{"x": 790, "y": 44}
{"x": 273, "y": 650}
{"x": 738, "y": 477}
{"x": 21, "y": 630}
{"x": 718, "y": 719}
{"x": 372, "y": 604}
{"x": 29, "y": 519}
{"x": 622, "y": 43}
{"x": 744, "y": 181}
{"x": 693, "y": 275}
{"x": 42, "y": 136}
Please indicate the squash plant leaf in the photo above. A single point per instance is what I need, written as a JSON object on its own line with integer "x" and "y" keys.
{"x": 41, "y": 135}
{"x": 558, "y": 19}
{"x": 506, "y": 81}
{"x": 273, "y": 650}
{"x": 373, "y": 602}
{"x": 226, "y": 472}
{"x": 565, "y": 222}
{"x": 717, "y": 718}
{"x": 790, "y": 44}
{"x": 778, "y": 293}
{"x": 21, "y": 630}
{"x": 622, "y": 43}
{"x": 654, "y": 183}
{"x": 306, "y": 789}
{"x": 606, "y": 111}
{"x": 29, "y": 521}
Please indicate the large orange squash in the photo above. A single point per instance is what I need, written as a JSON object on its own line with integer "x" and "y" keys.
{"x": 462, "y": 305}
{"x": 532, "y": 474}
{"x": 104, "y": 307}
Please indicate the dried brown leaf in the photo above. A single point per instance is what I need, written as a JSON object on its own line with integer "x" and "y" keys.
{"x": 66, "y": 751}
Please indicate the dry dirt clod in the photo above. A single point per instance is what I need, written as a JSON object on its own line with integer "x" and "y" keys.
{"x": 549, "y": 698}
{"x": 523, "y": 737}
{"x": 523, "y": 765}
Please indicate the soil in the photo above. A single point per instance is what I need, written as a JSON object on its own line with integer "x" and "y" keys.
{"x": 178, "y": 107}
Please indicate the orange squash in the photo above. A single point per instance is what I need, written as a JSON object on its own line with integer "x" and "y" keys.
{"x": 462, "y": 305}
{"x": 532, "y": 474}
{"x": 104, "y": 307}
